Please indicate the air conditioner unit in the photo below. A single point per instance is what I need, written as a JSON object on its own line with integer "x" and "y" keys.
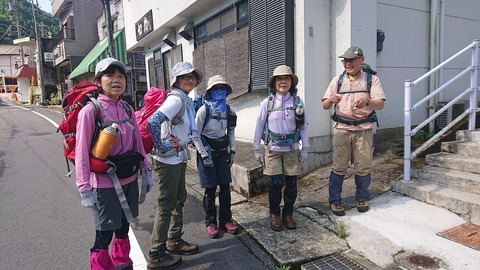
{"x": 450, "y": 114}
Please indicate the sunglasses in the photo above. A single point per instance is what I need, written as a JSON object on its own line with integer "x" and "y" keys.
{"x": 346, "y": 61}
{"x": 188, "y": 77}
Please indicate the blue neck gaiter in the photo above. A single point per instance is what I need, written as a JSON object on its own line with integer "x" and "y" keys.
{"x": 218, "y": 99}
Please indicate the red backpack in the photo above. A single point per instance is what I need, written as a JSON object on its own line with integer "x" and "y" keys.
{"x": 153, "y": 99}
{"x": 74, "y": 100}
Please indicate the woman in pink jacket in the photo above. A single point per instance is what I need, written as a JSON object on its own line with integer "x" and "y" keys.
{"x": 112, "y": 197}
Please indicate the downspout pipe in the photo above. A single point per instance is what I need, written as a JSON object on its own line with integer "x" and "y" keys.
{"x": 432, "y": 57}
{"x": 441, "y": 36}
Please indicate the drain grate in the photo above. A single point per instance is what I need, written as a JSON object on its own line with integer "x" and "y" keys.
{"x": 333, "y": 262}
{"x": 467, "y": 234}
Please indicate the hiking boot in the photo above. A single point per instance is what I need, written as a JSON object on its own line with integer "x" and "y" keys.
{"x": 180, "y": 246}
{"x": 337, "y": 209}
{"x": 212, "y": 230}
{"x": 230, "y": 227}
{"x": 289, "y": 222}
{"x": 275, "y": 222}
{"x": 362, "y": 206}
{"x": 160, "y": 260}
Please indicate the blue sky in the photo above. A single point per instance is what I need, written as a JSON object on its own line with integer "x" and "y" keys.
{"x": 45, "y": 5}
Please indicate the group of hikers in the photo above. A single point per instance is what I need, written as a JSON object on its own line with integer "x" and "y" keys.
{"x": 281, "y": 125}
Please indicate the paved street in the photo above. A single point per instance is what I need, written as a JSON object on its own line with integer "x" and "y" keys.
{"x": 44, "y": 226}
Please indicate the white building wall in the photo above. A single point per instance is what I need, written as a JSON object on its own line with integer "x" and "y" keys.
{"x": 408, "y": 47}
{"x": 7, "y": 64}
{"x": 324, "y": 29}
{"x": 23, "y": 89}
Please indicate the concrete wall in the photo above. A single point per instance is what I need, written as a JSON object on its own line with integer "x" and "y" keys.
{"x": 85, "y": 16}
{"x": 323, "y": 30}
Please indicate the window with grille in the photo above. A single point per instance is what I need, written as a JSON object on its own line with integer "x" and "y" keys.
{"x": 227, "y": 20}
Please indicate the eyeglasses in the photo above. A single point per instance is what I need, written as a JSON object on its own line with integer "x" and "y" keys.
{"x": 188, "y": 77}
{"x": 346, "y": 61}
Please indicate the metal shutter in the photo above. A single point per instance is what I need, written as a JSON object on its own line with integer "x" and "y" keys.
{"x": 269, "y": 29}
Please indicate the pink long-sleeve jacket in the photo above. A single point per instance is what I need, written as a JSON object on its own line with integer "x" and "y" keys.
{"x": 127, "y": 139}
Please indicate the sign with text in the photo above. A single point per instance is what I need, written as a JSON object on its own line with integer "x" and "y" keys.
{"x": 48, "y": 57}
{"x": 144, "y": 26}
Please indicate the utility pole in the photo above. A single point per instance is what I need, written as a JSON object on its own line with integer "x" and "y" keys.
{"x": 19, "y": 31}
{"x": 39, "y": 55}
{"x": 108, "y": 20}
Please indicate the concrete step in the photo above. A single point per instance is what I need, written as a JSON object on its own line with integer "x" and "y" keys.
{"x": 454, "y": 161}
{"x": 460, "y": 202}
{"x": 464, "y": 148}
{"x": 458, "y": 180}
{"x": 468, "y": 135}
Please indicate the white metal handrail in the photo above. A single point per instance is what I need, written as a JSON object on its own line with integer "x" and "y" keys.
{"x": 471, "y": 111}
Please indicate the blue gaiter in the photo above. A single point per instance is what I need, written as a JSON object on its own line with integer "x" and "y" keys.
{"x": 218, "y": 99}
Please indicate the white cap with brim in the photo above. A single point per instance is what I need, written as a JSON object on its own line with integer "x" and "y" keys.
{"x": 106, "y": 63}
{"x": 182, "y": 68}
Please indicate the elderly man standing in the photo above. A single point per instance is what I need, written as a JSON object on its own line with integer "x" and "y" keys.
{"x": 355, "y": 95}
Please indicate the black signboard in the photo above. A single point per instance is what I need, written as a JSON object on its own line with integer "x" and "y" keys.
{"x": 144, "y": 25}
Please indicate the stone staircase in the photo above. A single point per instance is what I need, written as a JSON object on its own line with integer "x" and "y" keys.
{"x": 451, "y": 178}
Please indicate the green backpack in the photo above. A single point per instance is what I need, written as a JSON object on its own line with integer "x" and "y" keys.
{"x": 372, "y": 117}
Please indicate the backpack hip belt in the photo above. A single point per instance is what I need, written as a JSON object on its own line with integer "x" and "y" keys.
{"x": 371, "y": 118}
{"x": 283, "y": 139}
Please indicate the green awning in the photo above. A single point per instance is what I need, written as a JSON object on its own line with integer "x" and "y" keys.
{"x": 99, "y": 52}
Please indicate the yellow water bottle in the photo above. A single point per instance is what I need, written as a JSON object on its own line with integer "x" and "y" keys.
{"x": 105, "y": 141}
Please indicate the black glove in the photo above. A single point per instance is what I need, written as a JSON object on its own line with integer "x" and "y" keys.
{"x": 207, "y": 162}
{"x": 230, "y": 158}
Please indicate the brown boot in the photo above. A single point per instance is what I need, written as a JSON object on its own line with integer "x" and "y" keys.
{"x": 275, "y": 222}
{"x": 180, "y": 246}
{"x": 289, "y": 222}
{"x": 160, "y": 260}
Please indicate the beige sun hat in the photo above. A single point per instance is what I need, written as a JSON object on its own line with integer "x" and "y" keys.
{"x": 280, "y": 71}
{"x": 182, "y": 68}
{"x": 216, "y": 80}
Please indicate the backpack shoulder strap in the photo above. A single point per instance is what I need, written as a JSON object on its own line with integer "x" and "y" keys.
{"x": 127, "y": 108}
{"x": 208, "y": 113}
{"x": 340, "y": 81}
{"x": 369, "y": 82}
{"x": 296, "y": 101}
{"x": 182, "y": 109}
{"x": 99, "y": 116}
{"x": 271, "y": 101}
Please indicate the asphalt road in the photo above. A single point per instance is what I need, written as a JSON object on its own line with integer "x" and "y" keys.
{"x": 43, "y": 225}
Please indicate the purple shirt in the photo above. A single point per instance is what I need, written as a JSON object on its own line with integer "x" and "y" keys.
{"x": 280, "y": 121}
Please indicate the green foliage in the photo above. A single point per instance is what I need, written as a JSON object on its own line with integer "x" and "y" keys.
{"x": 8, "y": 29}
{"x": 342, "y": 232}
{"x": 422, "y": 135}
{"x": 283, "y": 267}
{"x": 56, "y": 101}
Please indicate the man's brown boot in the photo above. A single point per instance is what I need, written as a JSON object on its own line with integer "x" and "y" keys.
{"x": 275, "y": 222}
{"x": 289, "y": 222}
{"x": 180, "y": 246}
{"x": 160, "y": 260}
